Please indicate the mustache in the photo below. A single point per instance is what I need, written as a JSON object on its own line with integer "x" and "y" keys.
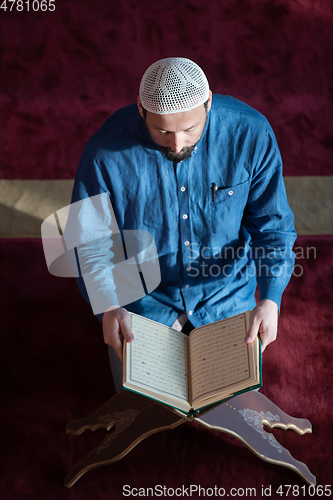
{"x": 184, "y": 154}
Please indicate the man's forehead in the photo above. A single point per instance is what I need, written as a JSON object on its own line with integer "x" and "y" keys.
{"x": 177, "y": 121}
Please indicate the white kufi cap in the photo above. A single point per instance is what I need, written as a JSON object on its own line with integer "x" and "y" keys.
{"x": 173, "y": 85}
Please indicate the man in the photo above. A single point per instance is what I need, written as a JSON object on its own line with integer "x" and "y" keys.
{"x": 203, "y": 174}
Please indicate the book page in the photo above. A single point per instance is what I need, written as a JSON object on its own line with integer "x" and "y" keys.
{"x": 158, "y": 358}
{"x": 219, "y": 356}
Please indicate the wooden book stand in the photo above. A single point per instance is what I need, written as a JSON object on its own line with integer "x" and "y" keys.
{"x": 136, "y": 417}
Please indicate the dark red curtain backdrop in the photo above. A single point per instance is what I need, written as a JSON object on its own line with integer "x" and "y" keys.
{"x": 64, "y": 72}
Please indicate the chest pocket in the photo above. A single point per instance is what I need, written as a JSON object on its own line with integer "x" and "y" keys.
{"x": 228, "y": 208}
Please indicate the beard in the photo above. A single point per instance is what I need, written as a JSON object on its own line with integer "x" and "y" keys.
{"x": 184, "y": 154}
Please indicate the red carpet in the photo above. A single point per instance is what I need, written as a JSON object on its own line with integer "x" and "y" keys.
{"x": 64, "y": 72}
{"x": 54, "y": 368}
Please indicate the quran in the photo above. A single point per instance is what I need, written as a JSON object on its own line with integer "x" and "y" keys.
{"x": 210, "y": 365}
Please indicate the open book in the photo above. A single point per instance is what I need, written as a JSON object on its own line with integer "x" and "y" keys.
{"x": 190, "y": 372}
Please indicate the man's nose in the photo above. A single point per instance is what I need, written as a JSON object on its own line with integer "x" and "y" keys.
{"x": 177, "y": 143}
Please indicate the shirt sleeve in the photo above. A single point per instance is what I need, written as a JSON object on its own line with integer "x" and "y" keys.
{"x": 270, "y": 221}
{"x": 89, "y": 229}
{"x": 117, "y": 268}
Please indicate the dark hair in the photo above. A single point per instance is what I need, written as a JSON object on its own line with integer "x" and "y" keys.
{"x": 144, "y": 111}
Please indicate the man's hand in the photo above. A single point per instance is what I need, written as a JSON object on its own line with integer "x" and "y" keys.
{"x": 117, "y": 322}
{"x": 263, "y": 320}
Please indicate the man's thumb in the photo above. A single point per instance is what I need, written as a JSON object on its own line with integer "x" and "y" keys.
{"x": 252, "y": 333}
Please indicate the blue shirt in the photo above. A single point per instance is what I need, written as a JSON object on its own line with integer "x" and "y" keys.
{"x": 211, "y": 253}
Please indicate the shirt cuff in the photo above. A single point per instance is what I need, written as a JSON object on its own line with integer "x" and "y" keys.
{"x": 271, "y": 289}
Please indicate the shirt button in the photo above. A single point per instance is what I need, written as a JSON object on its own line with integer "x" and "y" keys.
{"x": 187, "y": 243}
{"x": 185, "y": 217}
{"x": 190, "y": 313}
{"x": 182, "y": 189}
{"x": 188, "y": 269}
{"x": 230, "y": 192}
{"x": 187, "y": 286}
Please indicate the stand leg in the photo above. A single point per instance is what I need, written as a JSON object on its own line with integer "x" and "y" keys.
{"x": 244, "y": 417}
{"x": 138, "y": 415}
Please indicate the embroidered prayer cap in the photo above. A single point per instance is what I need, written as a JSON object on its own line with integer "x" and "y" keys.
{"x": 173, "y": 85}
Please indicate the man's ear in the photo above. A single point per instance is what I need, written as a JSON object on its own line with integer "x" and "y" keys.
{"x": 209, "y": 105}
{"x": 140, "y": 106}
